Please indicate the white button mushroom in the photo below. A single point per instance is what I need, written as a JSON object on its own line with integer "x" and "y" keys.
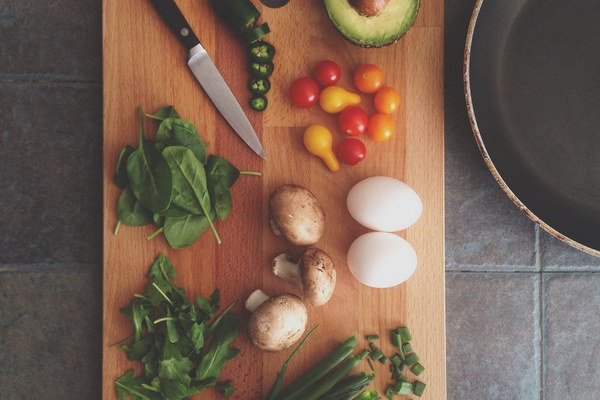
{"x": 314, "y": 273}
{"x": 276, "y": 323}
{"x": 296, "y": 214}
{"x": 381, "y": 259}
{"x": 384, "y": 204}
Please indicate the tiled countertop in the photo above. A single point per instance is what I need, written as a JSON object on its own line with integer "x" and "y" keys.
{"x": 523, "y": 309}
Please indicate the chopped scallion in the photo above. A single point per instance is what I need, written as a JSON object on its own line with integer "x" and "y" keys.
{"x": 418, "y": 388}
{"x": 417, "y": 369}
{"x": 403, "y": 388}
{"x": 372, "y": 337}
{"x": 405, "y": 334}
{"x": 411, "y": 359}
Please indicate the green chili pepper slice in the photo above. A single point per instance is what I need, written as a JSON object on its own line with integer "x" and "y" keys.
{"x": 259, "y": 103}
{"x": 262, "y": 70}
{"x": 261, "y": 52}
{"x": 259, "y": 85}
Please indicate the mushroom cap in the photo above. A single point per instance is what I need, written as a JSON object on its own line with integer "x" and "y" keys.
{"x": 297, "y": 214}
{"x": 318, "y": 276}
{"x": 278, "y": 323}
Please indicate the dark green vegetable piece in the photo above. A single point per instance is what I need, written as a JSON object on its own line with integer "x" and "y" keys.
{"x": 418, "y": 388}
{"x": 349, "y": 387}
{"x": 372, "y": 337}
{"x": 181, "y": 232}
{"x": 240, "y": 15}
{"x": 181, "y": 355}
{"x": 389, "y": 392}
{"x": 179, "y": 132}
{"x": 261, "y": 52}
{"x": 223, "y": 205}
{"x": 417, "y": 369}
{"x": 164, "y": 113}
{"x": 405, "y": 334}
{"x": 256, "y": 33}
{"x": 406, "y": 348}
{"x": 149, "y": 174}
{"x": 261, "y": 70}
{"x": 260, "y": 86}
{"x": 411, "y": 359}
{"x": 259, "y": 103}
{"x": 402, "y": 388}
{"x": 120, "y": 179}
{"x": 130, "y": 211}
{"x": 376, "y": 354}
{"x": 221, "y": 174}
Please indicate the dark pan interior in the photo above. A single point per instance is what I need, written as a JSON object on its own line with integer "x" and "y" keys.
{"x": 535, "y": 87}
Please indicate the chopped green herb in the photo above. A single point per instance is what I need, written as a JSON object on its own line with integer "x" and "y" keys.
{"x": 418, "y": 388}
{"x": 406, "y": 348}
{"x": 372, "y": 337}
{"x": 417, "y": 369}
{"x": 376, "y": 355}
{"x": 389, "y": 392}
{"x": 411, "y": 359}
{"x": 403, "y": 388}
{"x": 384, "y": 360}
{"x": 405, "y": 334}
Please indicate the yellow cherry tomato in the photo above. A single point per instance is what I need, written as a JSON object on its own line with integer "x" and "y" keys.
{"x": 387, "y": 100}
{"x": 334, "y": 99}
{"x": 381, "y": 127}
{"x": 368, "y": 78}
{"x": 319, "y": 142}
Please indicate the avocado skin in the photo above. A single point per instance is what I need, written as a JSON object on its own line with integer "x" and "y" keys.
{"x": 372, "y": 42}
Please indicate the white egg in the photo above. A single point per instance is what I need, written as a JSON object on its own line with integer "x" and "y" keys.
{"x": 384, "y": 204}
{"x": 381, "y": 259}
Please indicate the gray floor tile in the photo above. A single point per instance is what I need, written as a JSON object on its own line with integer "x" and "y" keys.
{"x": 559, "y": 256}
{"x": 458, "y": 14}
{"x": 60, "y": 38}
{"x": 572, "y": 343}
{"x": 51, "y": 174}
{"x": 50, "y": 335}
{"x": 484, "y": 229}
{"x": 493, "y": 338}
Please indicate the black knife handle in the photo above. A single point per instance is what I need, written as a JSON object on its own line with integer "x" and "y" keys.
{"x": 173, "y": 17}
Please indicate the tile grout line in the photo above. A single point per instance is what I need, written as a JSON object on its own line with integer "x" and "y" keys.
{"x": 542, "y": 328}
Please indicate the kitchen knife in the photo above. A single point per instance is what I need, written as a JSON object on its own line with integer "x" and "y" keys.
{"x": 208, "y": 75}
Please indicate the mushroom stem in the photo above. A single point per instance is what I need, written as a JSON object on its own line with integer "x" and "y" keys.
{"x": 255, "y": 299}
{"x": 285, "y": 268}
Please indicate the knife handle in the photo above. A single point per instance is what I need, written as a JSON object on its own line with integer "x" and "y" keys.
{"x": 173, "y": 17}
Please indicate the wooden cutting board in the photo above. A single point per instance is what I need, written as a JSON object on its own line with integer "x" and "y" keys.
{"x": 145, "y": 65}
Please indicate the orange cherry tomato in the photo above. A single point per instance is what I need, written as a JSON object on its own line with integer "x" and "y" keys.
{"x": 381, "y": 127}
{"x": 387, "y": 100}
{"x": 368, "y": 78}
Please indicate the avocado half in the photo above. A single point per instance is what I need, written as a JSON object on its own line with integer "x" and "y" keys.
{"x": 380, "y": 30}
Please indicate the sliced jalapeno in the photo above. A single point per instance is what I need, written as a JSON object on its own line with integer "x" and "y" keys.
{"x": 261, "y": 52}
{"x": 256, "y": 33}
{"x": 258, "y": 103}
{"x": 259, "y": 85}
{"x": 261, "y": 70}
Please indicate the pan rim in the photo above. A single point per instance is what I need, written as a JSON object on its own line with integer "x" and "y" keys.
{"x": 483, "y": 150}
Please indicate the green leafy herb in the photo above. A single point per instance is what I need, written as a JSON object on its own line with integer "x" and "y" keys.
{"x": 171, "y": 337}
{"x": 164, "y": 113}
{"x": 131, "y": 211}
{"x": 120, "y": 179}
{"x": 149, "y": 174}
{"x": 172, "y": 182}
{"x": 179, "y": 132}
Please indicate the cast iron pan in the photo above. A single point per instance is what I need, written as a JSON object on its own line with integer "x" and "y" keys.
{"x": 532, "y": 85}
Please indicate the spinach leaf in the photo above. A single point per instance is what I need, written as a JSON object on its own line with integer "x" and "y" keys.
{"x": 179, "y": 132}
{"x": 120, "y": 179}
{"x": 131, "y": 211}
{"x": 164, "y": 113}
{"x": 219, "y": 352}
{"x": 223, "y": 205}
{"x": 189, "y": 180}
{"x": 180, "y": 232}
{"x": 149, "y": 174}
{"x": 174, "y": 211}
{"x": 221, "y": 173}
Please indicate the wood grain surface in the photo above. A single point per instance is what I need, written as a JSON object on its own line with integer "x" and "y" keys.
{"x": 145, "y": 65}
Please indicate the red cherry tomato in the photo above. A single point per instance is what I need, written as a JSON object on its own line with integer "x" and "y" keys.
{"x": 327, "y": 73}
{"x": 352, "y": 151}
{"x": 304, "y": 92}
{"x": 353, "y": 121}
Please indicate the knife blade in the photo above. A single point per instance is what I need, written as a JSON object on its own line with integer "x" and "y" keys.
{"x": 207, "y": 74}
